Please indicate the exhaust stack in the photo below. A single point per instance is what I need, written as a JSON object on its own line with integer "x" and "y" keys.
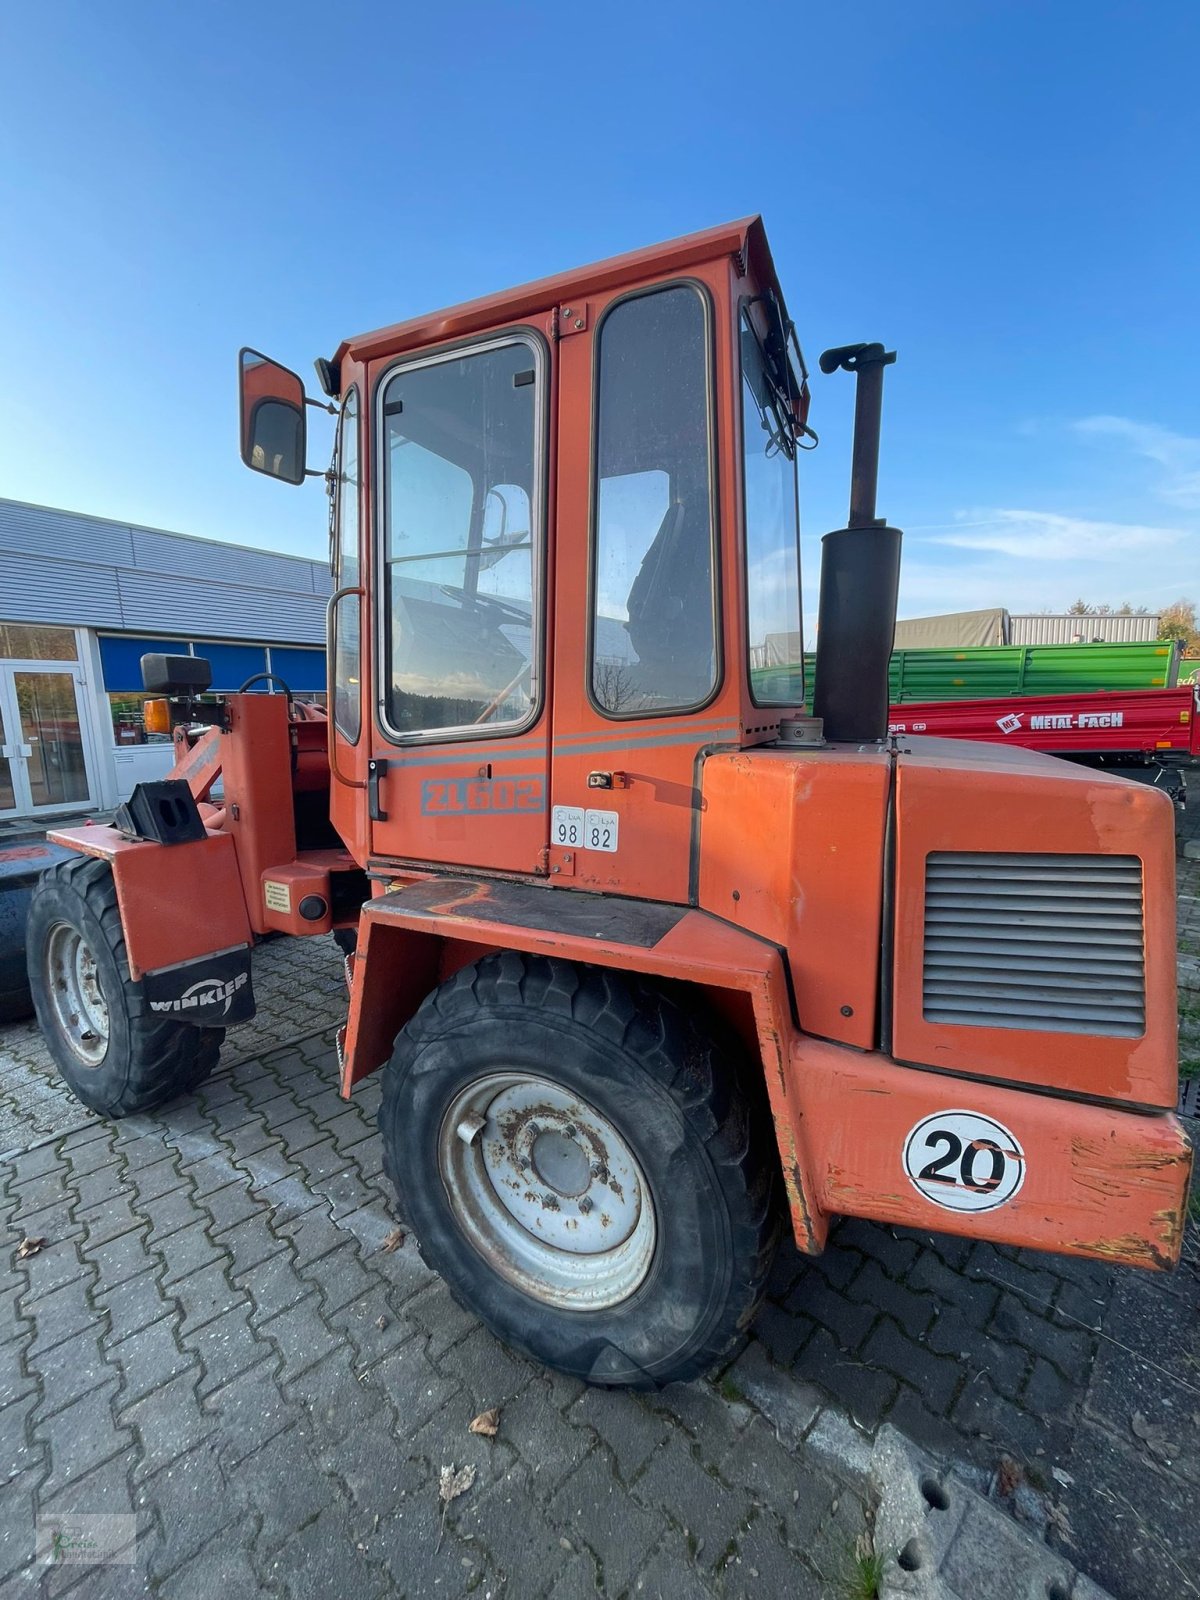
{"x": 860, "y": 575}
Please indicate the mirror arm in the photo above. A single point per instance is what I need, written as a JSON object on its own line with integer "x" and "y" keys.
{"x": 319, "y": 405}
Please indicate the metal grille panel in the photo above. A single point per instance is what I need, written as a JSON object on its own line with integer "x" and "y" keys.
{"x": 1052, "y": 943}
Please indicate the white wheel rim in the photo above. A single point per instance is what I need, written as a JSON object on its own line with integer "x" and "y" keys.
{"x": 73, "y": 983}
{"x": 547, "y": 1191}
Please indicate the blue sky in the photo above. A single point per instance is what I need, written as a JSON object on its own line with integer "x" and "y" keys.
{"x": 1004, "y": 191}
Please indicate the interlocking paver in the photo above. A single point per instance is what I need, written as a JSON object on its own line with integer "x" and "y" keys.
{"x": 508, "y": 1524}
{"x": 116, "y": 1259}
{"x": 543, "y": 1438}
{"x": 134, "y": 1303}
{"x": 187, "y": 1251}
{"x": 251, "y": 1410}
{"x": 225, "y": 1347}
{"x": 593, "y": 1509}
{"x": 283, "y": 1487}
{"x": 147, "y": 1358}
{"x": 411, "y": 1385}
{"x": 18, "y": 1508}
{"x": 301, "y": 1334}
{"x": 78, "y": 1367}
{"x": 191, "y": 1504}
{"x": 80, "y": 1436}
{"x": 223, "y": 1572}
{"x": 59, "y": 1315}
{"x": 630, "y": 1430}
{"x": 168, "y": 1422}
{"x": 206, "y": 1294}
{"x": 272, "y": 1284}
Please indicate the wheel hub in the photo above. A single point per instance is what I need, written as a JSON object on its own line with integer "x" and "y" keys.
{"x": 73, "y": 983}
{"x": 547, "y": 1191}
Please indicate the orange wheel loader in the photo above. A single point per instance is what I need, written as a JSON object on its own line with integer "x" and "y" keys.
{"x": 649, "y": 958}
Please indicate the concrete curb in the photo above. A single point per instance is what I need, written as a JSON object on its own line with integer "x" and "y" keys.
{"x": 942, "y": 1540}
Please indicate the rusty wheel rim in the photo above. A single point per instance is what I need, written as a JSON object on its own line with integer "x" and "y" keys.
{"x": 73, "y": 983}
{"x": 547, "y": 1191}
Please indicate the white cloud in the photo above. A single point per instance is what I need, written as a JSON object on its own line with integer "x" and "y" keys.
{"x": 1045, "y": 536}
{"x": 1176, "y": 453}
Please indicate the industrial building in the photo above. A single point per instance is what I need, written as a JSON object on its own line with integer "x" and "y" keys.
{"x": 82, "y": 599}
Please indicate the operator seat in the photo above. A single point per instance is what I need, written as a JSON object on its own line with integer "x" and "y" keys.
{"x": 670, "y": 611}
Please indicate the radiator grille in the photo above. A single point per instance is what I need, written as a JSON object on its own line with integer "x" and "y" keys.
{"x": 1045, "y": 942}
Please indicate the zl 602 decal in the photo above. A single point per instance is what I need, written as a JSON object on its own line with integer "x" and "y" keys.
{"x": 481, "y": 797}
{"x": 964, "y": 1161}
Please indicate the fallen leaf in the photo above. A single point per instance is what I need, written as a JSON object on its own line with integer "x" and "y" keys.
{"x": 30, "y": 1247}
{"x": 393, "y": 1241}
{"x": 487, "y": 1423}
{"x": 1057, "y": 1518}
{"x": 381, "y": 1323}
{"x": 1008, "y": 1476}
{"x": 1062, "y": 1477}
{"x": 1154, "y": 1436}
{"x": 450, "y": 1485}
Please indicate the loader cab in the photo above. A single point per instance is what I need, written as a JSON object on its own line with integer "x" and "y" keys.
{"x": 565, "y": 538}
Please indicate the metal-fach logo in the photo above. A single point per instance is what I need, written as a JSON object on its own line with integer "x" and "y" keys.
{"x": 208, "y": 992}
{"x": 77, "y": 1539}
{"x": 1010, "y": 723}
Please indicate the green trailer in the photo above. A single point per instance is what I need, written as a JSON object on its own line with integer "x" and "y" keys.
{"x": 988, "y": 672}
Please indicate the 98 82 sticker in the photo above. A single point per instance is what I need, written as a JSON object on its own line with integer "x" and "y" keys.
{"x": 574, "y": 828}
{"x": 964, "y": 1161}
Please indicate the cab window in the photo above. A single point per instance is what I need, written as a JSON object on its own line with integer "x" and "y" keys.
{"x": 460, "y": 468}
{"x": 772, "y": 527}
{"x": 347, "y": 688}
{"x": 654, "y": 623}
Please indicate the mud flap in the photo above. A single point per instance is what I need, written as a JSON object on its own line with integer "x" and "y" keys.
{"x": 213, "y": 992}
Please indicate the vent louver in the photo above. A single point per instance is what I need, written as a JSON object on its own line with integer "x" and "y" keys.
{"x": 1052, "y": 943}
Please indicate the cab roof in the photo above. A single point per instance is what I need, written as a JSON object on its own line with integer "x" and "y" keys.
{"x": 747, "y": 236}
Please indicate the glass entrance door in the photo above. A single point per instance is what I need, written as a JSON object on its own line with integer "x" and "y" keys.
{"x": 42, "y": 765}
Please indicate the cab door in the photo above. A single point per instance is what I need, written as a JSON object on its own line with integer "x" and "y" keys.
{"x": 459, "y": 770}
{"x": 641, "y": 683}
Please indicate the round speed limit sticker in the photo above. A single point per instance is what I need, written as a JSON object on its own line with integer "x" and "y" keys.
{"x": 964, "y": 1161}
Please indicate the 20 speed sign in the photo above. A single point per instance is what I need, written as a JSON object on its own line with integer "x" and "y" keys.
{"x": 964, "y": 1161}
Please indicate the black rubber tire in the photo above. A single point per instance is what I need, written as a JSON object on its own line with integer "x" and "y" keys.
{"x": 346, "y": 940}
{"x": 653, "y": 1069}
{"x": 148, "y": 1060}
{"x": 16, "y": 1002}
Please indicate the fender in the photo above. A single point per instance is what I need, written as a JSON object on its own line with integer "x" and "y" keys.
{"x": 414, "y": 937}
{"x": 178, "y": 902}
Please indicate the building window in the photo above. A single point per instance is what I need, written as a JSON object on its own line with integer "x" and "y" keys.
{"x": 771, "y": 520}
{"x": 22, "y": 642}
{"x": 347, "y": 686}
{"x": 303, "y": 671}
{"x": 461, "y": 469}
{"x": 654, "y": 624}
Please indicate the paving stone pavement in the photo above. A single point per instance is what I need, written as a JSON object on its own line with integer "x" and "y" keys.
{"x": 216, "y": 1341}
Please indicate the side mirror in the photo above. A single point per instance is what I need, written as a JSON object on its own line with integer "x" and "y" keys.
{"x": 274, "y": 427}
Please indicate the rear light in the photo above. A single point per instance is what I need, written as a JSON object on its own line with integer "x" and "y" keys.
{"x": 156, "y": 716}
